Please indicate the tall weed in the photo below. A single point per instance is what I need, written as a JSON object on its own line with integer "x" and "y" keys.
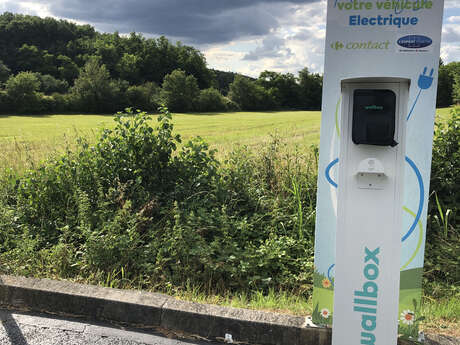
{"x": 133, "y": 202}
{"x": 442, "y": 270}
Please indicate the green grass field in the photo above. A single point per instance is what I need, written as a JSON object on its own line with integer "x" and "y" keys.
{"x": 216, "y": 128}
{"x": 25, "y": 140}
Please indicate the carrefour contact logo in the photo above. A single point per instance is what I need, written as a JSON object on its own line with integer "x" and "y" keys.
{"x": 360, "y": 45}
{"x": 415, "y": 41}
{"x": 337, "y": 45}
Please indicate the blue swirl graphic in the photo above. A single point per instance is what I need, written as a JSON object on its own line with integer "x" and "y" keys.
{"x": 329, "y": 273}
{"x": 328, "y": 171}
{"x": 421, "y": 200}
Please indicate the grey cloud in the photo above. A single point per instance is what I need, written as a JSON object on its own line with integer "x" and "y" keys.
{"x": 10, "y": 6}
{"x": 451, "y": 33}
{"x": 193, "y": 21}
{"x": 272, "y": 47}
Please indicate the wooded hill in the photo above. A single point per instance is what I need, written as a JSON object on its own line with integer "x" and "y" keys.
{"x": 49, "y": 65}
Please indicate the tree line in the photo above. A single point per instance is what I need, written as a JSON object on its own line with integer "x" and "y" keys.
{"x": 448, "y": 84}
{"x": 49, "y": 65}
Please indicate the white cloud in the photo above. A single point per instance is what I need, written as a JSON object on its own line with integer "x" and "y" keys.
{"x": 453, "y": 19}
{"x": 298, "y": 42}
{"x": 34, "y": 8}
{"x": 455, "y": 4}
{"x": 450, "y": 52}
{"x": 451, "y": 33}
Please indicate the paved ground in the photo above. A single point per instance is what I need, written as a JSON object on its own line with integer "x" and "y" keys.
{"x": 24, "y": 328}
{"x": 19, "y": 328}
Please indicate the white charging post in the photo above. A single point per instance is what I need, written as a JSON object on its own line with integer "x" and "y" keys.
{"x": 371, "y": 176}
{"x": 377, "y": 119}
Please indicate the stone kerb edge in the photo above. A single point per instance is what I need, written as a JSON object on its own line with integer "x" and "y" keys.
{"x": 157, "y": 310}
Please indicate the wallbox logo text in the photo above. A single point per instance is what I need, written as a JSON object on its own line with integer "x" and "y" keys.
{"x": 366, "y": 45}
{"x": 365, "y": 301}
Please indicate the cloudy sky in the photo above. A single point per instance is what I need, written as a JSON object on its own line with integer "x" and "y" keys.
{"x": 246, "y": 36}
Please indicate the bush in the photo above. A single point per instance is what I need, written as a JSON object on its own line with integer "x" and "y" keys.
{"x": 5, "y": 101}
{"x": 49, "y": 84}
{"x": 71, "y": 200}
{"x": 22, "y": 90}
{"x": 180, "y": 91}
{"x": 46, "y": 104}
{"x": 211, "y": 100}
{"x": 143, "y": 96}
{"x": 5, "y": 72}
{"x": 249, "y": 95}
{"x": 63, "y": 102}
{"x": 94, "y": 91}
{"x": 134, "y": 202}
{"x": 230, "y": 105}
{"x": 443, "y": 232}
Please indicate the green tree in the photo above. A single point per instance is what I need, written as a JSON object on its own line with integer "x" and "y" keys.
{"x": 180, "y": 91}
{"x": 284, "y": 88}
{"x": 29, "y": 58}
{"x": 93, "y": 89}
{"x": 143, "y": 97}
{"x": 446, "y": 81}
{"x": 67, "y": 69}
{"x": 49, "y": 65}
{"x": 193, "y": 62}
{"x": 5, "y": 72}
{"x": 129, "y": 67}
{"x": 109, "y": 48}
{"x": 456, "y": 89}
{"x": 223, "y": 80}
{"x": 49, "y": 84}
{"x": 22, "y": 90}
{"x": 311, "y": 88}
{"x": 249, "y": 95}
{"x": 157, "y": 59}
{"x": 211, "y": 100}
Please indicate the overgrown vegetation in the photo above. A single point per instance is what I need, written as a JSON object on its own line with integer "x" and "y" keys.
{"x": 136, "y": 209}
{"x": 442, "y": 270}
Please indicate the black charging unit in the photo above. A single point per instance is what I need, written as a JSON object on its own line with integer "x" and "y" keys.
{"x": 374, "y": 117}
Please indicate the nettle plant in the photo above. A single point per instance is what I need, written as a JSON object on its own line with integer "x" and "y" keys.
{"x": 139, "y": 207}
{"x": 131, "y": 175}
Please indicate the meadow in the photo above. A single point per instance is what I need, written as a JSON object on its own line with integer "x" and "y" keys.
{"x": 28, "y": 139}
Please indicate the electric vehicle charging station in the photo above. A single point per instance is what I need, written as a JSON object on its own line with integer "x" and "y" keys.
{"x": 379, "y": 97}
{"x": 369, "y": 207}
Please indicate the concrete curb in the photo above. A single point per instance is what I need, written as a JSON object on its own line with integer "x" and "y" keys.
{"x": 158, "y": 310}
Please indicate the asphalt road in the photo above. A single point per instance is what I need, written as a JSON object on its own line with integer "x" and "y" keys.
{"x": 20, "y": 328}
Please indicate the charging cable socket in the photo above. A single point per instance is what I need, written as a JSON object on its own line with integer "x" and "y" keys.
{"x": 371, "y": 174}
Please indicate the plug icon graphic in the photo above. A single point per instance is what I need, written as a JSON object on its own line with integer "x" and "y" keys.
{"x": 425, "y": 81}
